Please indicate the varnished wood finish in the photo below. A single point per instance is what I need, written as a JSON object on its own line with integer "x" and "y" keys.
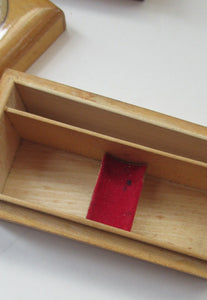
{"x": 3, "y": 10}
{"x": 49, "y": 182}
{"x": 28, "y": 30}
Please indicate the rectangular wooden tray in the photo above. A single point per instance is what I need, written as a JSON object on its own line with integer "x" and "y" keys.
{"x": 52, "y": 141}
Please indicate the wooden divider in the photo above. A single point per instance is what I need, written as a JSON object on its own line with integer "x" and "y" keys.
{"x": 94, "y": 145}
{"x": 169, "y": 215}
{"x": 112, "y": 122}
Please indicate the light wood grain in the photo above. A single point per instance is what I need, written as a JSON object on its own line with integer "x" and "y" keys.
{"x": 9, "y": 139}
{"x": 105, "y": 240}
{"x": 62, "y": 183}
{"x": 28, "y": 30}
{"x": 49, "y": 188}
{"x": 173, "y": 216}
{"x": 88, "y": 143}
{"x": 53, "y": 178}
{"x": 111, "y": 122}
{"x": 172, "y": 135}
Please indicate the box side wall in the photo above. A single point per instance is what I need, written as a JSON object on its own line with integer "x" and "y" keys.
{"x": 102, "y": 239}
{"x": 85, "y": 115}
{"x": 163, "y": 165}
{"x": 9, "y": 138}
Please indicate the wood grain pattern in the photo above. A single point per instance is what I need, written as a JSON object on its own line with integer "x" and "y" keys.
{"x": 9, "y": 139}
{"x": 46, "y": 184}
{"x": 174, "y": 216}
{"x": 28, "y": 30}
{"x": 105, "y": 240}
{"x": 56, "y": 179}
{"x": 35, "y": 88}
{"x": 62, "y": 183}
{"x": 94, "y": 145}
{"x": 111, "y": 122}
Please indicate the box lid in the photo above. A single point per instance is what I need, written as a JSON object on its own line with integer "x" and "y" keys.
{"x": 27, "y": 29}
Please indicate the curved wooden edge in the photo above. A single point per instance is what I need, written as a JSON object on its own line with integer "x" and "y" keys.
{"x": 29, "y": 29}
{"x": 104, "y": 240}
{"x": 102, "y": 227}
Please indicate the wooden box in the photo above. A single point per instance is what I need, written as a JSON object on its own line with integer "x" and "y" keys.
{"x": 27, "y": 29}
{"x": 52, "y": 141}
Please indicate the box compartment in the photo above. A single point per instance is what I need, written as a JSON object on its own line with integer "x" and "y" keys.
{"x": 50, "y": 166}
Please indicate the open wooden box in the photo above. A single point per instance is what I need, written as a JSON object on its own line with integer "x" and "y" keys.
{"x": 52, "y": 141}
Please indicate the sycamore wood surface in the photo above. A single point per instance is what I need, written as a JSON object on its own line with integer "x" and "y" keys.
{"x": 49, "y": 166}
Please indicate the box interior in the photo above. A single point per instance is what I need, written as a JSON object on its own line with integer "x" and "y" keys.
{"x": 39, "y": 168}
{"x": 110, "y": 122}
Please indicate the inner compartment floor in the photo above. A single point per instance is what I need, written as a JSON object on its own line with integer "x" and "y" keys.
{"x": 169, "y": 213}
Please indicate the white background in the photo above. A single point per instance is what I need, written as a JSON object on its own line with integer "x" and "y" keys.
{"x": 152, "y": 54}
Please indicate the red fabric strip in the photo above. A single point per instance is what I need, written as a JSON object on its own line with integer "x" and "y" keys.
{"x": 116, "y": 193}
